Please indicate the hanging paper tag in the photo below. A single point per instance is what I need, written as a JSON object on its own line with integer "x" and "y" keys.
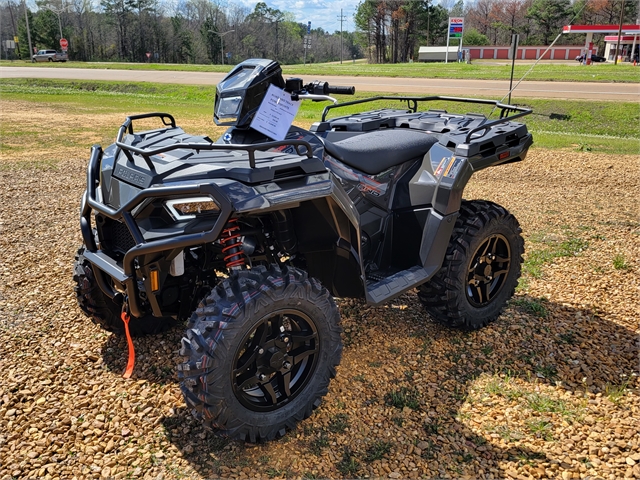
{"x": 276, "y": 113}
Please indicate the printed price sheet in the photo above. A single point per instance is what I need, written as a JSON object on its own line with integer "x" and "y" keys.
{"x": 276, "y": 113}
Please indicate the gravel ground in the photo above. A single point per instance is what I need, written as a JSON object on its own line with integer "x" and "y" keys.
{"x": 550, "y": 390}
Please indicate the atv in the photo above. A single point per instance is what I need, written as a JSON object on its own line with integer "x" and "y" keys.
{"x": 250, "y": 239}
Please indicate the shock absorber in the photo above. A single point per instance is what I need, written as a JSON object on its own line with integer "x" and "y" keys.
{"x": 232, "y": 246}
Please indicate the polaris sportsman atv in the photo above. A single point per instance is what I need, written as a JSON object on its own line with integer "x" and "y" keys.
{"x": 250, "y": 239}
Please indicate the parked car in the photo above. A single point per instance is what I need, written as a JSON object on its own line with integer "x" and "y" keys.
{"x": 50, "y": 56}
{"x": 594, "y": 58}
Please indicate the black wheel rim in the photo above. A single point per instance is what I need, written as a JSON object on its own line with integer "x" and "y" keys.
{"x": 488, "y": 270}
{"x": 275, "y": 360}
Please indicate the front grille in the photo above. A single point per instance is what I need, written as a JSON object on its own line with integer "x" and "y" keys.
{"x": 115, "y": 236}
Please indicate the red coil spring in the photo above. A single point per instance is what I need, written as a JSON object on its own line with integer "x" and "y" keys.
{"x": 232, "y": 248}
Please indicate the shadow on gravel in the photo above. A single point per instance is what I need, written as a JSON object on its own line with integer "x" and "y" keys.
{"x": 156, "y": 355}
{"x": 542, "y": 356}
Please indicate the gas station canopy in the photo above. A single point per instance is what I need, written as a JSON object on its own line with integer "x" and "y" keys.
{"x": 628, "y": 29}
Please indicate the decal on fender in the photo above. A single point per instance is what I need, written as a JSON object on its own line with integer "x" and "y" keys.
{"x": 453, "y": 168}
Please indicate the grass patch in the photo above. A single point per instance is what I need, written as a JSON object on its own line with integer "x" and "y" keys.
{"x": 537, "y": 258}
{"x": 544, "y": 404}
{"x": 433, "y": 427}
{"x": 338, "y": 423}
{"x": 275, "y": 472}
{"x": 377, "y": 450}
{"x": 319, "y": 443}
{"x": 541, "y": 428}
{"x": 532, "y": 306}
{"x": 615, "y": 393}
{"x": 508, "y": 434}
{"x": 547, "y": 371}
{"x": 608, "y": 127}
{"x": 620, "y": 262}
{"x": 348, "y": 465}
{"x": 399, "y": 421}
{"x": 478, "y": 70}
{"x": 503, "y": 388}
{"x": 41, "y": 165}
{"x": 568, "y": 337}
{"x": 403, "y": 397}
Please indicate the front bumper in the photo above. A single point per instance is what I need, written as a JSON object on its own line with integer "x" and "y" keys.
{"x": 124, "y": 272}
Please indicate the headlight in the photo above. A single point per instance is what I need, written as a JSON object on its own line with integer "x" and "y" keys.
{"x": 229, "y": 106}
{"x": 188, "y": 208}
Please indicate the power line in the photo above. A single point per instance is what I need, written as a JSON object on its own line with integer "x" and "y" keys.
{"x": 341, "y": 18}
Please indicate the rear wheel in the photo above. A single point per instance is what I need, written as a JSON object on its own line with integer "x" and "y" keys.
{"x": 481, "y": 268}
{"x": 260, "y": 352}
{"x": 105, "y": 312}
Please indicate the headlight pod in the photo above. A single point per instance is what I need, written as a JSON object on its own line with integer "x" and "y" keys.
{"x": 188, "y": 208}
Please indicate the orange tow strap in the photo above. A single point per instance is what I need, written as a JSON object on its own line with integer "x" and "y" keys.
{"x": 132, "y": 353}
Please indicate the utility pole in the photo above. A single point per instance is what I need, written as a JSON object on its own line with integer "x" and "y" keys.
{"x": 307, "y": 42}
{"x": 276, "y": 39}
{"x": 56, "y": 12}
{"x": 341, "y": 18}
{"x": 428, "y": 21}
{"x": 615, "y": 62}
{"x": 15, "y": 31}
{"x": 26, "y": 19}
{"x": 221, "y": 43}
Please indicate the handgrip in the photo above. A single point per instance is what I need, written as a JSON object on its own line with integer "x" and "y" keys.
{"x": 341, "y": 90}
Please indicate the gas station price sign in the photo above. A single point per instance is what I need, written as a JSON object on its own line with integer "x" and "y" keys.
{"x": 456, "y": 26}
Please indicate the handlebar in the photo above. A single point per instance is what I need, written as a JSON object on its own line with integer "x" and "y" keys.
{"x": 341, "y": 90}
{"x": 323, "y": 88}
{"x": 316, "y": 90}
{"x": 311, "y": 96}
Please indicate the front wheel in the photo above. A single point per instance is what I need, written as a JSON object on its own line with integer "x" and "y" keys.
{"x": 260, "y": 352}
{"x": 480, "y": 270}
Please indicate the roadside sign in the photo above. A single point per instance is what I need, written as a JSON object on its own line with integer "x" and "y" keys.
{"x": 15, "y": 39}
{"x": 456, "y": 26}
{"x": 515, "y": 42}
{"x": 148, "y": 54}
{"x": 63, "y": 43}
{"x": 308, "y": 28}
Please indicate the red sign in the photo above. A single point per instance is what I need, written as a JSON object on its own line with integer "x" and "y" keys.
{"x": 63, "y": 43}
{"x": 148, "y": 54}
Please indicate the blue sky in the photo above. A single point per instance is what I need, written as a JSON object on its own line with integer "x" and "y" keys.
{"x": 321, "y": 13}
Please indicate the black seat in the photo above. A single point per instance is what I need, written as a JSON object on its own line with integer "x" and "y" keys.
{"x": 374, "y": 152}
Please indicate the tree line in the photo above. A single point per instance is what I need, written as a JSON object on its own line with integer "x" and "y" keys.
{"x": 191, "y": 31}
{"x": 208, "y": 31}
{"x": 392, "y": 30}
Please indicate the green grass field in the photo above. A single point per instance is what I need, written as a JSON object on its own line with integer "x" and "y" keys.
{"x": 479, "y": 71}
{"x": 606, "y": 127}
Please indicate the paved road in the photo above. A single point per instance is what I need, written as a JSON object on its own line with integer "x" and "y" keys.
{"x": 422, "y": 86}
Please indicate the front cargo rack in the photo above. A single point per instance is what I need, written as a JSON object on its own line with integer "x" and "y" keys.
{"x": 412, "y": 105}
{"x": 146, "y": 154}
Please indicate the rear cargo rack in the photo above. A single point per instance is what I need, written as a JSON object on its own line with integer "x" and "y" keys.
{"x": 412, "y": 105}
{"x": 147, "y": 153}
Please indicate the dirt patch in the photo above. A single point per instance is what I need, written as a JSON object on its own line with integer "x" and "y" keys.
{"x": 550, "y": 390}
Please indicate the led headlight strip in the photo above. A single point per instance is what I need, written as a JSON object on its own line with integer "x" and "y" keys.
{"x": 188, "y": 208}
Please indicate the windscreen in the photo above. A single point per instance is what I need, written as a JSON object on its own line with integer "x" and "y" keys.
{"x": 239, "y": 94}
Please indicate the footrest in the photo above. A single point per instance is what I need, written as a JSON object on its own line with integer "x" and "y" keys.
{"x": 397, "y": 284}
